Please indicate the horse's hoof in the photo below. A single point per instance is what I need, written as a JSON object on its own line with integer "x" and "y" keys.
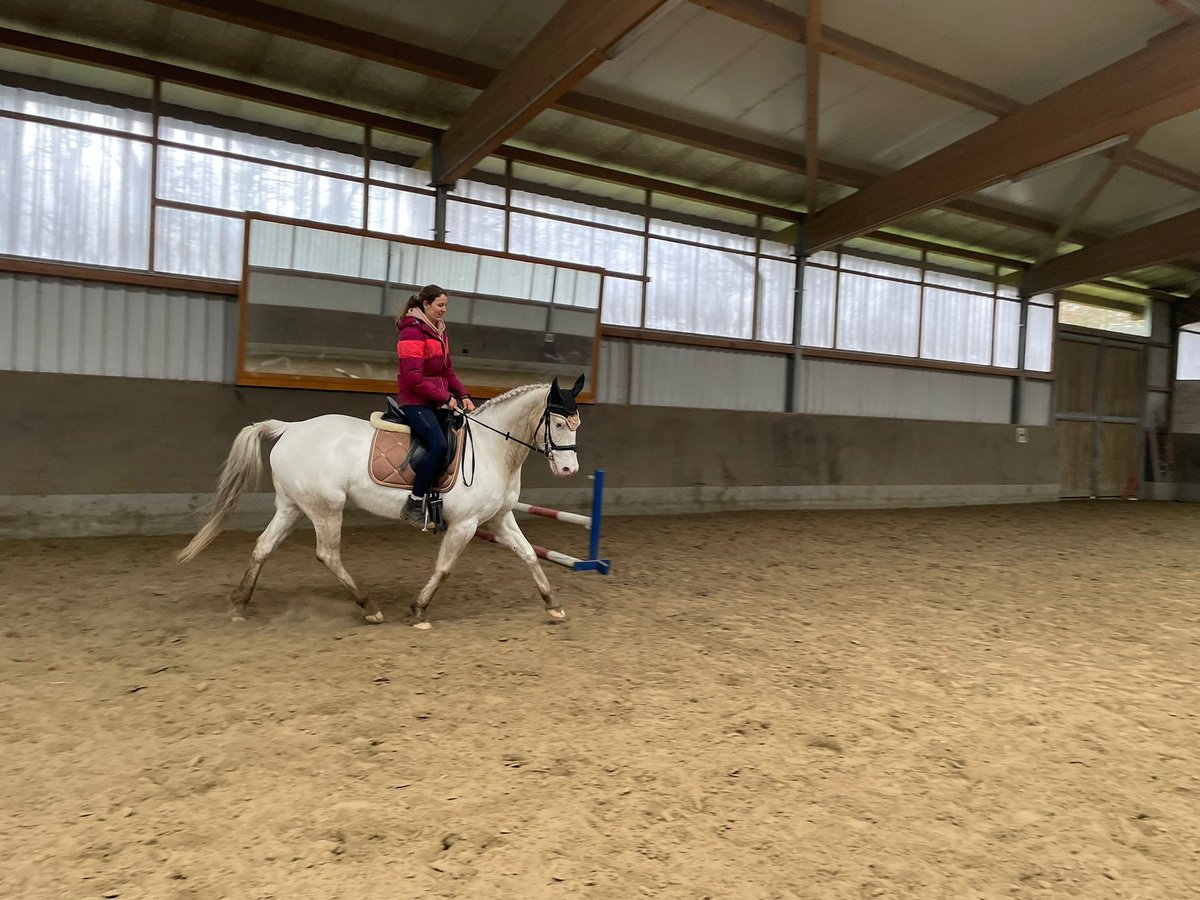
{"x": 422, "y": 626}
{"x": 556, "y": 612}
{"x": 237, "y": 617}
{"x": 374, "y": 618}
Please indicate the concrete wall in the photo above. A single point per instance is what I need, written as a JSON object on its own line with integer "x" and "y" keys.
{"x": 95, "y": 455}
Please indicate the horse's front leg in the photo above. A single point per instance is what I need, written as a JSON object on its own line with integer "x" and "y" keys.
{"x": 457, "y": 536}
{"x": 510, "y": 535}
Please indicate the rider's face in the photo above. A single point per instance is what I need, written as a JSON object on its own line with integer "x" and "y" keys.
{"x": 437, "y": 309}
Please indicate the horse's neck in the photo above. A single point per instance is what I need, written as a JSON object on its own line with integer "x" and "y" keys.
{"x": 519, "y": 416}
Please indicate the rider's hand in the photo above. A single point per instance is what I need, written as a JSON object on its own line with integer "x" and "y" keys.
{"x": 468, "y": 404}
{"x": 452, "y": 403}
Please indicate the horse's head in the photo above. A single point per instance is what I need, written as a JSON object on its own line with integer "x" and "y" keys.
{"x": 560, "y": 423}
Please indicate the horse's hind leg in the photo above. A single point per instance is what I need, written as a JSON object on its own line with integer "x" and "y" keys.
{"x": 287, "y": 513}
{"x": 329, "y": 551}
{"x": 509, "y": 533}
{"x": 453, "y": 542}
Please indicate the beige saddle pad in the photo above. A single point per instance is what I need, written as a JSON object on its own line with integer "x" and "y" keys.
{"x": 389, "y": 450}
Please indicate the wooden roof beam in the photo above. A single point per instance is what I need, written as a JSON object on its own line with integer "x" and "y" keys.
{"x": 576, "y": 40}
{"x": 791, "y": 26}
{"x": 1085, "y": 202}
{"x": 1162, "y": 242}
{"x": 1153, "y": 85}
{"x": 769, "y": 17}
{"x": 1184, "y": 10}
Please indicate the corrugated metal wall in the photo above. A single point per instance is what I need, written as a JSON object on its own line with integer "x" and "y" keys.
{"x": 646, "y": 374}
{"x": 90, "y": 328}
{"x": 829, "y": 387}
{"x": 670, "y": 375}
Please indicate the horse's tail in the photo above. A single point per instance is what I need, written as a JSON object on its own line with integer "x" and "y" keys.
{"x": 242, "y": 471}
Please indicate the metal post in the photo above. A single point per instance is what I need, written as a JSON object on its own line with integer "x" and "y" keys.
{"x": 792, "y": 400}
{"x": 440, "y": 193}
{"x": 1018, "y": 396}
{"x": 597, "y": 510}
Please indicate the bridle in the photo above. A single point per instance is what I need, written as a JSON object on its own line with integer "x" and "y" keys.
{"x": 548, "y": 447}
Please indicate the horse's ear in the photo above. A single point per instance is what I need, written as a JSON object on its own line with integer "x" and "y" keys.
{"x": 578, "y": 387}
{"x": 555, "y": 392}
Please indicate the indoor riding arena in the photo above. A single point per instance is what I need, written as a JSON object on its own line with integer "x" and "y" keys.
{"x": 869, "y": 533}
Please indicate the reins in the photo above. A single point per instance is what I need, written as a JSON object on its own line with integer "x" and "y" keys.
{"x": 546, "y": 450}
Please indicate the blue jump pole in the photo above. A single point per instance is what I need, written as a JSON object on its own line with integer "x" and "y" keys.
{"x": 593, "y": 562}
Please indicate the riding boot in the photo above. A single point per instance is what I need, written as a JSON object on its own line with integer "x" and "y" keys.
{"x": 414, "y": 512}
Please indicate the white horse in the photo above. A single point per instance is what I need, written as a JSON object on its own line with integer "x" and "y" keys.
{"x": 318, "y": 465}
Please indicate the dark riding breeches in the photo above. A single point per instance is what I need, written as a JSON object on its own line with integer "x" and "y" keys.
{"x": 427, "y": 429}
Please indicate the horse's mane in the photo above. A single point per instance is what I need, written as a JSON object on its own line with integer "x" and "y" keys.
{"x": 514, "y": 392}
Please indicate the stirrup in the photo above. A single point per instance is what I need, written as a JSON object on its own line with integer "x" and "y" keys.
{"x": 434, "y": 517}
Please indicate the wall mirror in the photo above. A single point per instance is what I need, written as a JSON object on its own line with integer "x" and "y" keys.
{"x": 318, "y": 310}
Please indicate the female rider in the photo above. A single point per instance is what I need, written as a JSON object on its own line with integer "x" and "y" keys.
{"x": 425, "y": 382}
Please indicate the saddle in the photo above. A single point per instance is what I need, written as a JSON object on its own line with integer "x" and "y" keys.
{"x": 394, "y": 452}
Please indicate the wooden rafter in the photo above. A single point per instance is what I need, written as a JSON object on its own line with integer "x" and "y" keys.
{"x": 577, "y": 39}
{"x": 1184, "y": 10}
{"x": 1115, "y": 161}
{"x": 1153, "y": 85}
{"x": 1163, "y": 242}
{"x": 769, "y": 17}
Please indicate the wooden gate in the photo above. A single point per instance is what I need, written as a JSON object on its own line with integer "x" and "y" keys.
{"x": 1099, "y": 385}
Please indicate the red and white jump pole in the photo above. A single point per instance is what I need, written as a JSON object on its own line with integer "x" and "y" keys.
{"x": 591, "y": 523}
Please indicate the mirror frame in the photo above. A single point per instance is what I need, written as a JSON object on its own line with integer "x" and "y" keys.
{"x": 380, "y": 386}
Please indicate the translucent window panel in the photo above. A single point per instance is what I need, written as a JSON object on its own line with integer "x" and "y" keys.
{"x": 880, "y": 267}
{"x": 272, "y": 244}
{"x": 961, "y": 282}
{"x": 449, "y": 269}
{"x": 73, "y": 195}
{"x": 1187, "y": 363}
{"x": 576, "y": 287}
{"x": 622, "y": 302}
{"x": 332, "y": 253}
{"x": 817, "y": 311}
{"x": 474, "y": 226}
{"x": 188, "y": 176}
{"x": 877, "y": 316}
{"x": 957, "y": 327}
{"x": 776, "y": 300}
{"x": 774, "y": 248}
{"x": 1124, "y": 321}
{"x": 584, "y": 212}
{"x": 397, "y": 174}
{"x": 201, "y": 244}
{"x": 699, "y": 235}
{"x": 700, "y": 290}
{"x": 1039, "y": 339}
{"x": 278, "y": 245}
{"x": 479, "y": 190}
{"x": 211, "y": 137}
{"x": 575, "y": 242}
{"x": 1008, "y": 333}
{"x": 80, "y": 112}
{"x": 400, "y": 212}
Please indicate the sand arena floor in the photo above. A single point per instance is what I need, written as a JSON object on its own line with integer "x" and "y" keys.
{"x": 964, "y": 703}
